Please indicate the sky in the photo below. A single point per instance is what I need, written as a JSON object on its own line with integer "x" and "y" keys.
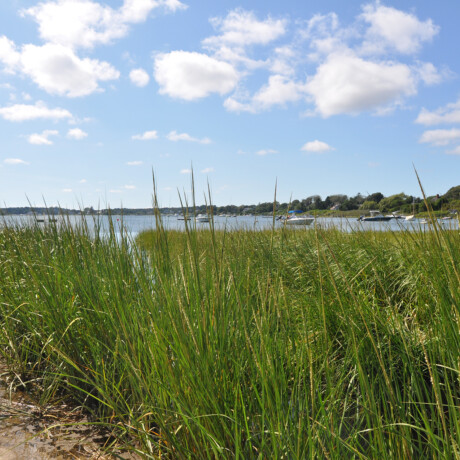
{"x": 295, "y": 97}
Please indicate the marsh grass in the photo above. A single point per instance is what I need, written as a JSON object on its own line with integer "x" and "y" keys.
{"x": 241, "y": 344}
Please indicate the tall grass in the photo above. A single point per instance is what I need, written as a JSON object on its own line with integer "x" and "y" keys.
{"x": 242, "y": 344}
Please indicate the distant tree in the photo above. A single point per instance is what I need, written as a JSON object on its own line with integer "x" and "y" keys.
{"x": 336, "y": 199}
{"x": 377, "y": 197}
{"x": 367, "y": 205}
{"x": 393, "y": 202}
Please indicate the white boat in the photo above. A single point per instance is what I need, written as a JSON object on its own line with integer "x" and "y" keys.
{"x": 299, "y": 220}
{"x": 202, "y": 218}
{"x": 412, "y": 216}
{"x": 295, "y": 219}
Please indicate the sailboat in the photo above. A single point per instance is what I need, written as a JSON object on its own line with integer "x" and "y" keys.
{"x": 412, "y": 216}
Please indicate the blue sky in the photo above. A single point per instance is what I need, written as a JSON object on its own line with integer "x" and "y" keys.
{"x": 319, "y": 97}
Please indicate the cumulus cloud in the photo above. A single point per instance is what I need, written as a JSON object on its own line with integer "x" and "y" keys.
{"x": 444, "y": 115}
{"x": 129, "y": 187}
{"x": 9, "y": 56}
{"x": 207, "y": 170}
{"x": 139, "y": 77}
{"x": 43, "y": 138}
{"x": 264, "y": 152}
{"x": 15, "y": 161}
{"x": 27, "y": 112}
{"x": 147, "y": 136}
{"x": 346, "y": 83}
{"x": 395, "y": 29}
{"x": 77, "y": 134}
{"x": 429, "y": 74}
{"x": 190, "y": 75}
{"x": 242, "y": 28}
{"x": 316, "y": 146}
{"x": 57, "y": 69}
{"x": 67, "y": 190}
{"x": 186, "y": 171}
{"x": 134, "y": 163}
{"x": 239, "y": 30}
{"x": 85, "y": 23}
{"x": 440, "y": 136}
{"x": 278, "y": 91}
{"x": 175, "y": 136}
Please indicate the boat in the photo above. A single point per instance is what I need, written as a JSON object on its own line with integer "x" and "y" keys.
{"x": 396, "y": 215}
{"x": 412, "y": 216}
{"x": 300, "y": 220}
{"x": 375, "y": 216}
{"x": 45, "y": 219}
{"x": 202, "y": 218}
{"x": 295, "y": 219}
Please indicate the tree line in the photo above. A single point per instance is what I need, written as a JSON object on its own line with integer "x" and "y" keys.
{"x": 375, "y": 201}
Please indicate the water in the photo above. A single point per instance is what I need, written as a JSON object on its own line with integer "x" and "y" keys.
{"x": 136, "y": 224}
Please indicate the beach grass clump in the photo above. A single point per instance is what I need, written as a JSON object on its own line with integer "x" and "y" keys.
{"x": 241, "y": 344}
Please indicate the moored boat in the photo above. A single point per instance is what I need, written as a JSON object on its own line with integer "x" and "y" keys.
{"x": 375, "y": 216}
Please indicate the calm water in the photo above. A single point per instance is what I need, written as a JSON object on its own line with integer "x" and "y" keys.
{"x": 136, "y": 224}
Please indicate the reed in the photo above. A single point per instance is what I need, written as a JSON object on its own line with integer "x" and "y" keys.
{"x": 241, "y": 344}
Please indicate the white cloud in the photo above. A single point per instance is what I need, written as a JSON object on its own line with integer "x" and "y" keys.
{"x": 324, "y": 36}
{"x": 345, "y": 83}
{"x": 232, "y": 105}
{"x": 67, "y": 190}
{"x": 207, "y": 170}
{"x": 82, "y": 181}
{"x": 242, "y": 28}
{"x": 444, "y": 115}
{"x": 455, "y": 151}
{"x": 440, "y": 136}
{"x": 115, "y": 191}
{"x": 239, "y": 30}
{"x": 395, "y": 29}
{"x": 190, "y": 75}
{"x": 147, "y": 136}
{"x": 186, "y": 171}
{"x": 278, "y": 91}
{"x": 139, "y": 77}
{"x": 429, "y": 74}
{"x": 24, "y": 112}
{"x": 56, "y": 68}
{"x": 129, "y": 187}
{"x": 15, "y": 161}
{"x": 43, "y": 138}
{"x": 134, "y": 163}
{"x": 8, "y": 54}
{"x": 266, "y": 152}
{"x": 85, "y": 23}
{"x": 282, "y": 61}
{"x": 175, "y": 136}
{"x": 316, "y": 146}
{"x": 77, "y": 134}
